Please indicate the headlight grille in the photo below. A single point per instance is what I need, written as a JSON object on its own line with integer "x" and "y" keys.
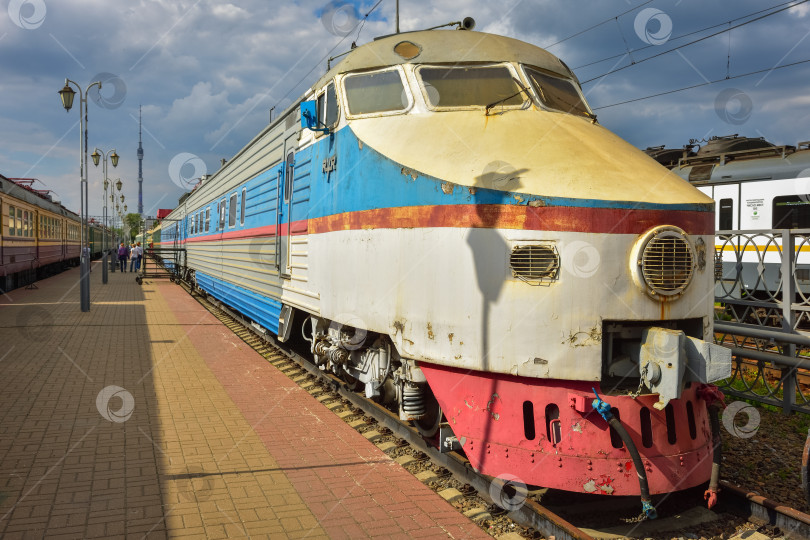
{"x": 667, "y": 263}
{"x": 535, "y": 263}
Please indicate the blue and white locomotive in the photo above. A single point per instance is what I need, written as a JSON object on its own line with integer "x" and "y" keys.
{"x": 460, "y": 238}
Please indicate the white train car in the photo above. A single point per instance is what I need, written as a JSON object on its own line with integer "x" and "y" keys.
{"x": 757, "y": 187}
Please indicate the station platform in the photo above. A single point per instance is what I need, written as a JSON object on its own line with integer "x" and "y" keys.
{"x": 147, "y": 418}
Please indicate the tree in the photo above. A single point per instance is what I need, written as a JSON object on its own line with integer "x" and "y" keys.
{"x": 133, "y": 223}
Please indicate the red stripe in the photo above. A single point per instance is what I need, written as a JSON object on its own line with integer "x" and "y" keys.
{"x": 555, "y": 218}
{"x": 476, "y": 216}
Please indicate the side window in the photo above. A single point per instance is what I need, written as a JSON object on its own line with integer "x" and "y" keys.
{"x": 198, "y": 225}
{"x": 222, "y": 214}
{"x": 207, "y": 219}
{"x": 242, "y": 210}
{"x": 232, "y": 211}
{"x": 791, "y": 212}
{"x": 726, "y": 214}
{"x": 11, "y": 214}
{"x": 331, "y": 106}
{"x": 288, "y": 177}
{"x": 19, "y": 222}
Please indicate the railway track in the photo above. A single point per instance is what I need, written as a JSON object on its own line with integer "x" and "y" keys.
{"x": 451, "y": 475}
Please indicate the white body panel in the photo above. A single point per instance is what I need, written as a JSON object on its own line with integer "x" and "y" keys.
{"x": 447, "y": 296}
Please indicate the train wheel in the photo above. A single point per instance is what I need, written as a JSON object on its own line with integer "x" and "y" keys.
{"x": 428, "y": 425}
{"x": 351, "y": 383}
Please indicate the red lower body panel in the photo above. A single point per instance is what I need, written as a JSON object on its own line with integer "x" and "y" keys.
{"x": 546, "y": 432}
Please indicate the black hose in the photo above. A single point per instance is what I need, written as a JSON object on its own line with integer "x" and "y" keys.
{"x": 640, "y": 470}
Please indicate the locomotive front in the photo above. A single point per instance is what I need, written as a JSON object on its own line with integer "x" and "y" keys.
{"x": 519, "y": 257}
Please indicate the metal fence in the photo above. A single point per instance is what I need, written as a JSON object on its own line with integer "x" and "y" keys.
{"x": 762, "y": 312}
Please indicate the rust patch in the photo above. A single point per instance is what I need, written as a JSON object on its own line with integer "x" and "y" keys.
{"x": 430, "y": 331}
{"x": 519, "y": 199}
{"x": 584, "y": 339}
{"x": 494, "y": 406}
{"x": 400, "y": 326}
{"x": 472, "y": 190}
{"x": 450, "y": 337}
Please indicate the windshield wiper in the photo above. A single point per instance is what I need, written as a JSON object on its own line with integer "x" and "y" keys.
{"x": 522, "y": 90}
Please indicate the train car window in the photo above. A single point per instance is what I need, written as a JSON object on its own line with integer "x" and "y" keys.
{"x": 232, "y": 211}
{"x": 207, "y": 219}
{"x": 19, "y": 222}
{"x": 791, "y": 212}
{"x": 11, "y": 214}
{"x": 557, "y": 93}
{"x": 242, "y": 210}
{"x": 726, "y": 214}
{"x": 470, "y": 86}
{"x": 199, "y": 222}
{"x": 377, "y": 92}
{"x": 222, "y": 214}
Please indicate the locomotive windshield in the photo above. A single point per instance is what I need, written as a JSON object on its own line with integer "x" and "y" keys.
{"x": 470, "y": 86}
{"x": 378, "y": 92}
{"x": 556, "y": 93}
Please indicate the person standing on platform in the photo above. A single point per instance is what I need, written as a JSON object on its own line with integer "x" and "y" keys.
{"x": 122, "y": 257}
{"x": 139, "y": 254}
{"x": 132, "y": 257}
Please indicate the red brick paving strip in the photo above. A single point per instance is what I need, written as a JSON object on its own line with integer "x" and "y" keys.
{"x": 352, "y": 487}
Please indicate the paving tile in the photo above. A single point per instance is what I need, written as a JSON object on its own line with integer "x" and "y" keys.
{"x": 147, "y": 417}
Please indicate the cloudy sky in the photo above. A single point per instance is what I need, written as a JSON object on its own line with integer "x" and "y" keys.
{"x": 207, "y": 73}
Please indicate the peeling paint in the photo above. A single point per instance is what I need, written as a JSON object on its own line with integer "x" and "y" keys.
{"x": 450, "y": 337}
{"x": 472, "y": 190}
{"x": 359, "y": 144}
{"x": 447, "y": 188}
{"x": 537, "y": 203}
{"x": 519, "y": 199}
{"x": 589, "y": 486}
{"x": 576, "y": 427}
{"x": 584, "y": 339}
{"x": 400, "y": 326}
{"x": 430, "y": 331}
{"x": 492, "y": 404}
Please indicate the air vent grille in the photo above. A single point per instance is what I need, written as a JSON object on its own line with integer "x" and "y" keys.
{"x": 535, "y": 263}
{"x": 667, "y": 263}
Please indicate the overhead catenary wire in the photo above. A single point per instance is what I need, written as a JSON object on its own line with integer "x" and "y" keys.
{"x": 701, "y": 84}
{"x": 799, "y": 2}
{"x": 681, "y": 36}
{"x": 597, "y": 25}
{"x": 329, "y": 53}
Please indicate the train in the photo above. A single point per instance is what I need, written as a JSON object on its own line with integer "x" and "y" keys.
{"x": 38, "y": 237}
{"x": 443, "y": 222}
{"x": 760, "y": 189}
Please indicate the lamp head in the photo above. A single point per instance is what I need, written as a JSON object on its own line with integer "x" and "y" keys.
{"x": 114, "y": 158}
{"x": 118, "y": 184}
{"x": 67, "y": 94}
{"x": 96, "y": 156}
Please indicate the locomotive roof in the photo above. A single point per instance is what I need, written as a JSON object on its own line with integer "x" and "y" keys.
{"x": 446, "y": 46}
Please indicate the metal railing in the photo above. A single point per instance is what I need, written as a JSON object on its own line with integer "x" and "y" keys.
{"x": 762, "y": 313}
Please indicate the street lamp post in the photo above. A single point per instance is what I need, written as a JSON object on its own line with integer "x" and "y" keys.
{"x": 67, "y": 94}
{"x": 114, "y": 159}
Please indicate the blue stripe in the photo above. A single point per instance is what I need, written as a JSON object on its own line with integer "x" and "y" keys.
{"x": 262, "y": 309}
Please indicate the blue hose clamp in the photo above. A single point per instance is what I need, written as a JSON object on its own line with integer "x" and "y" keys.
{"x": 648, "y": 509}
{"x": 602, "y": 407}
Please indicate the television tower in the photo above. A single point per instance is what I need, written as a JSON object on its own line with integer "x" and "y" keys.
{"x": 140, "y": 166}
